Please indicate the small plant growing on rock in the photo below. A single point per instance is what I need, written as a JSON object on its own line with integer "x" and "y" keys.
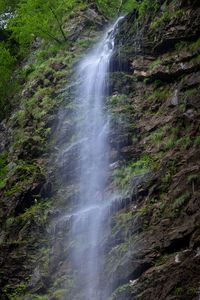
{"x": 158, "y": 135}
{"x": 160, "y": 261}
{"x": 192, "y": 291}
{"x": 154, "y": 64}
{"x": 197, "y": 140}
{"x": 178, "y": 291}
{"x": 191, "y": 178}
{"x": 180, "y": 200}
{"x": 3, "y": 169}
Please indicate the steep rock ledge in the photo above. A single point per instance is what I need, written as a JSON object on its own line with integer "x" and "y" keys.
{"x": 152, "y": 250}
{"x": 31, "y": 179}
{"x": 154, "y": 253}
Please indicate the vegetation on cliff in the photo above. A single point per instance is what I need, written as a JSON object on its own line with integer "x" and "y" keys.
{"x": 154, "y": 106}
{"x": 22, "y": 22}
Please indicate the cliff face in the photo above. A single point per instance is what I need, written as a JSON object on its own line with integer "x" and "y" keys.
{"x": 156, "y": 236}
{"x": 152, "y": 249}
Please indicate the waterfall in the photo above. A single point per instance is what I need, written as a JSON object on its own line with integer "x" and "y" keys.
{"x": 90, "y": 211}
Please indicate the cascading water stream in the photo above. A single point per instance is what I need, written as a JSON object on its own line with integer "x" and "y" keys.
{"x": 88, "y": 228}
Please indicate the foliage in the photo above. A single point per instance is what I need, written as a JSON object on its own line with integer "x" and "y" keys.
{"x": 148, "y": 6}
{"x": 122, "y": 223}
{"x": 192, "y": 291}
{"x": 166, "y": 181}
{"x": 6, "y": 67}
{"x": 155, "y": 63}
{"x": 9, "y": 222}
{"x": 116, "y": 101}
{"x": 112, "y": 7}
{"x": 42, "y": 19}
{"x": 197, "y": 140}
{"x": 123, "y": 177}
{"x": 195, "y": 45}
{"x": 159, "y": 95}
{"x": 158, "y": 83}
{"x": 191, "y": 92}
{"x": 162, "y": 260}
{"x": 158, "y": 135}
{"x": 191, "y": 178}
{"x": 178, "y": 291}
{"x": 13, "y": 293}
{"x": 3, "y": 169}
{"x": 180, "y": 200}
{"x": 7, "y": 5}
{"x": 121, "y": 291}
{"x": 165, "y": 18}
{"x": 60, "y": 294}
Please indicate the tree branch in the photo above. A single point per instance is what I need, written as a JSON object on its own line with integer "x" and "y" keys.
{"x": 60, "y": 25}
{"x": 120, "y": 7}
{"x": 50, "y": 35}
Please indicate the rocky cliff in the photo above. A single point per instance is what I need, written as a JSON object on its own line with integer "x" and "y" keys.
{"x": 152, "y": 249}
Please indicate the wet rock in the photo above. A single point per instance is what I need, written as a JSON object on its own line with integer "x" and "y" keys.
{"x": 27, "y": 93}
{"x": 57, "y": 65}
{"x": 3, "y": 136}
{"x": 174, "y": 100}
{"x": 37, "y": 82}
{"x": 35, "y": 278}
{"x": 190, "y": 114}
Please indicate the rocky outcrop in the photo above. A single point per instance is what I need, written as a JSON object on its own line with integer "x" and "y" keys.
{"x": 153, "y": 237}
{"x": 152, "y": 248}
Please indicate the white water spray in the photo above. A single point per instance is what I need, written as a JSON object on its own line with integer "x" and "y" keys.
{"x": 88, "y": 228}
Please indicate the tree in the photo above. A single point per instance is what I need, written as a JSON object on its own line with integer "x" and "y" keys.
{"x": 41, "y": 18}
{"x": 115, "y": 7}
{"x": 6, "y": 9}
{"x": 6, "y": 68}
